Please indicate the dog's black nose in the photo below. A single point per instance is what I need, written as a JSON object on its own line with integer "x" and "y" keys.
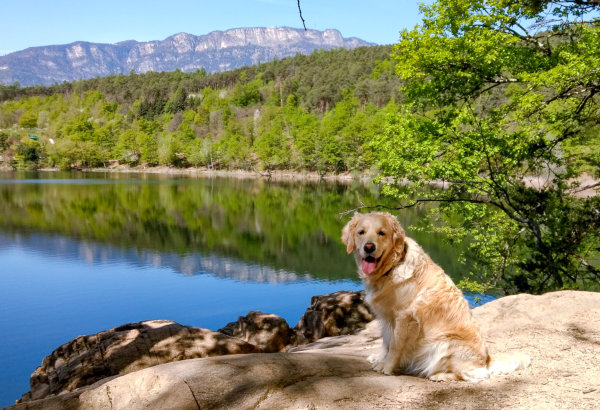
{"x": 369, "y": 247}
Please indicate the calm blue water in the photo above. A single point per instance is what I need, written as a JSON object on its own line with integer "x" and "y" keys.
{"x": 58, "y": 282}
{"x": 48, "y": 300}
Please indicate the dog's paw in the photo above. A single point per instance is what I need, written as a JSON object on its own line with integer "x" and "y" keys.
{"x": 384, "y": 367}
{"x": 374, "y": 358}
{"x": 444, "y": 377}
{"x": 476, "y": 375}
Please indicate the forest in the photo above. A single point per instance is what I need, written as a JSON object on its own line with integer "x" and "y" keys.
{"x": 312, "y": 112}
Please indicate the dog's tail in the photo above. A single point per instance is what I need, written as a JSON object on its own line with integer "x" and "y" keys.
{"x": 508, "y": 363}
{"x": 499, "y": 364}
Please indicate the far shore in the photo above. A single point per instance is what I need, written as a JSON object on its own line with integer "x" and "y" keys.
{"x": 202, "y": 172}
{"x": 588, "y": 185}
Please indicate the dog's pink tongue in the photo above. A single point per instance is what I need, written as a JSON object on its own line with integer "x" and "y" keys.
{"x": 368, "y": 267}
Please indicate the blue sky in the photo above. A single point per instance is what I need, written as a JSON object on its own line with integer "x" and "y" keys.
{"x": 31, "y": 23}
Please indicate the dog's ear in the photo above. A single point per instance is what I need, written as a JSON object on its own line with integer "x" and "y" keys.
{"x": 348, "y": 233}
{"x": 397, "y": 233}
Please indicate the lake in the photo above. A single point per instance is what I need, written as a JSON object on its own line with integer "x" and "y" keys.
{"x": 85, "y": 252}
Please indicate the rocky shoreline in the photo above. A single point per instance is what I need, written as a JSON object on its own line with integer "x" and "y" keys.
{"x": 204, "y": 172}
{"x": 88, "y": 359}
{"x": 588, "y": 185}
{"x": 259, "y": 361}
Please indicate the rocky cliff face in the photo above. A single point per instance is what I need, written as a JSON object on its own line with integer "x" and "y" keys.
{"x": 216, "y": 51}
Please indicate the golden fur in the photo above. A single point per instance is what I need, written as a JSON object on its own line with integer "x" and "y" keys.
{"x": 427, "y": 327}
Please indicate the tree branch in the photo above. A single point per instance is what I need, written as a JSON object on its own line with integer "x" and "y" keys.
{"x": 424, "y": 200}
{"x": 586, "y": 187}
{"x": 587, "y": 266}
{"x": 497, "y": 82}
{"x": 585, "y": 100}
{"x": 497, "y": 186}
{"x": 301, "y": 18}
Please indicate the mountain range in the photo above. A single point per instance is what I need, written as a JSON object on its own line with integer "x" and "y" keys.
{"x": 216, "y": 51}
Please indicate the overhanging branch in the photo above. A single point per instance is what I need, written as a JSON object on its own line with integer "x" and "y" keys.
{"x": 416, "y": 202}
{"x": 301, "y": 18}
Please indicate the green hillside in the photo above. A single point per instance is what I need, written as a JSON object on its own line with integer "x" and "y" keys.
{"x": 312, "y": 112}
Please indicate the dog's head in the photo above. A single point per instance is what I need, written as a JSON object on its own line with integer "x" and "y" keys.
{"x": 377, "y": 240}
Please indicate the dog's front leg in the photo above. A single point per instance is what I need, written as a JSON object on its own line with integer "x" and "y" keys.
{"x": 403, "y": 334}
{"x": 386, "y": 335}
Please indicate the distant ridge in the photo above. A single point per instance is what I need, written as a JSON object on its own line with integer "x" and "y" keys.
{"x": 216, "y": 51}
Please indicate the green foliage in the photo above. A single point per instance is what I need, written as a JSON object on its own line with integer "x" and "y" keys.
{"x": 272, "y": 143}
{"x": 234, "y": 149}
{"x": 27, "y": 152}
{"x": 303, "y": 128}
{"x": 79, "y": 129}
{"x": 167, "y": 150}
{"x": 148, "y": 147}
{"x": 67, "y": 154}
{"x": 247, "y": 94}
{"x": 28, "y": 119}
{"x": 177, "y": 102}
{"x": 3, "y": 140}
{"x": 127, "y": 149}
{"x": 304, "y": 112}
{"x": 499, "y": 112}
{"x": 200, "y": 152}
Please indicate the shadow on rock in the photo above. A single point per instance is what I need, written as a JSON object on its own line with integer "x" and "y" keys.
{"x": 125, "y": 349}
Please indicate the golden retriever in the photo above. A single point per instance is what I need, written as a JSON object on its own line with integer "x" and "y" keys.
{"x": 427, "y": 327}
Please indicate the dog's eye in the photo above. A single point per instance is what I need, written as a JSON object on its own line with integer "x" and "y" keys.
{"x": 361, "y": 232}
{"x": 381, "y": 233}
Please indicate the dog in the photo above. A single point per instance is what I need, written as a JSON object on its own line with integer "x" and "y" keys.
{"x": 427, "y": 327}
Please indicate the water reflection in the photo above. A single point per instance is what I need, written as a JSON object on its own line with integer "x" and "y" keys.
{"x": 64, "y": 248}
{"x": 201, "y": 224}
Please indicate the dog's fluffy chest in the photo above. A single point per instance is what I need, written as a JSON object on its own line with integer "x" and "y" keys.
{"x": 391, "y": 298}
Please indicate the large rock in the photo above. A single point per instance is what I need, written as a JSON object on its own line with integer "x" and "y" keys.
{"x": 89, "y": 359}
{"x": 335, "y": 314}
{"x": 125, "y": 349}
{"x": 560, "y": 331}
{"x": 268, "y": 332}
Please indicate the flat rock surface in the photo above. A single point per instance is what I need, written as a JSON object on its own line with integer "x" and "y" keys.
{"x": 560, "y": 331}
